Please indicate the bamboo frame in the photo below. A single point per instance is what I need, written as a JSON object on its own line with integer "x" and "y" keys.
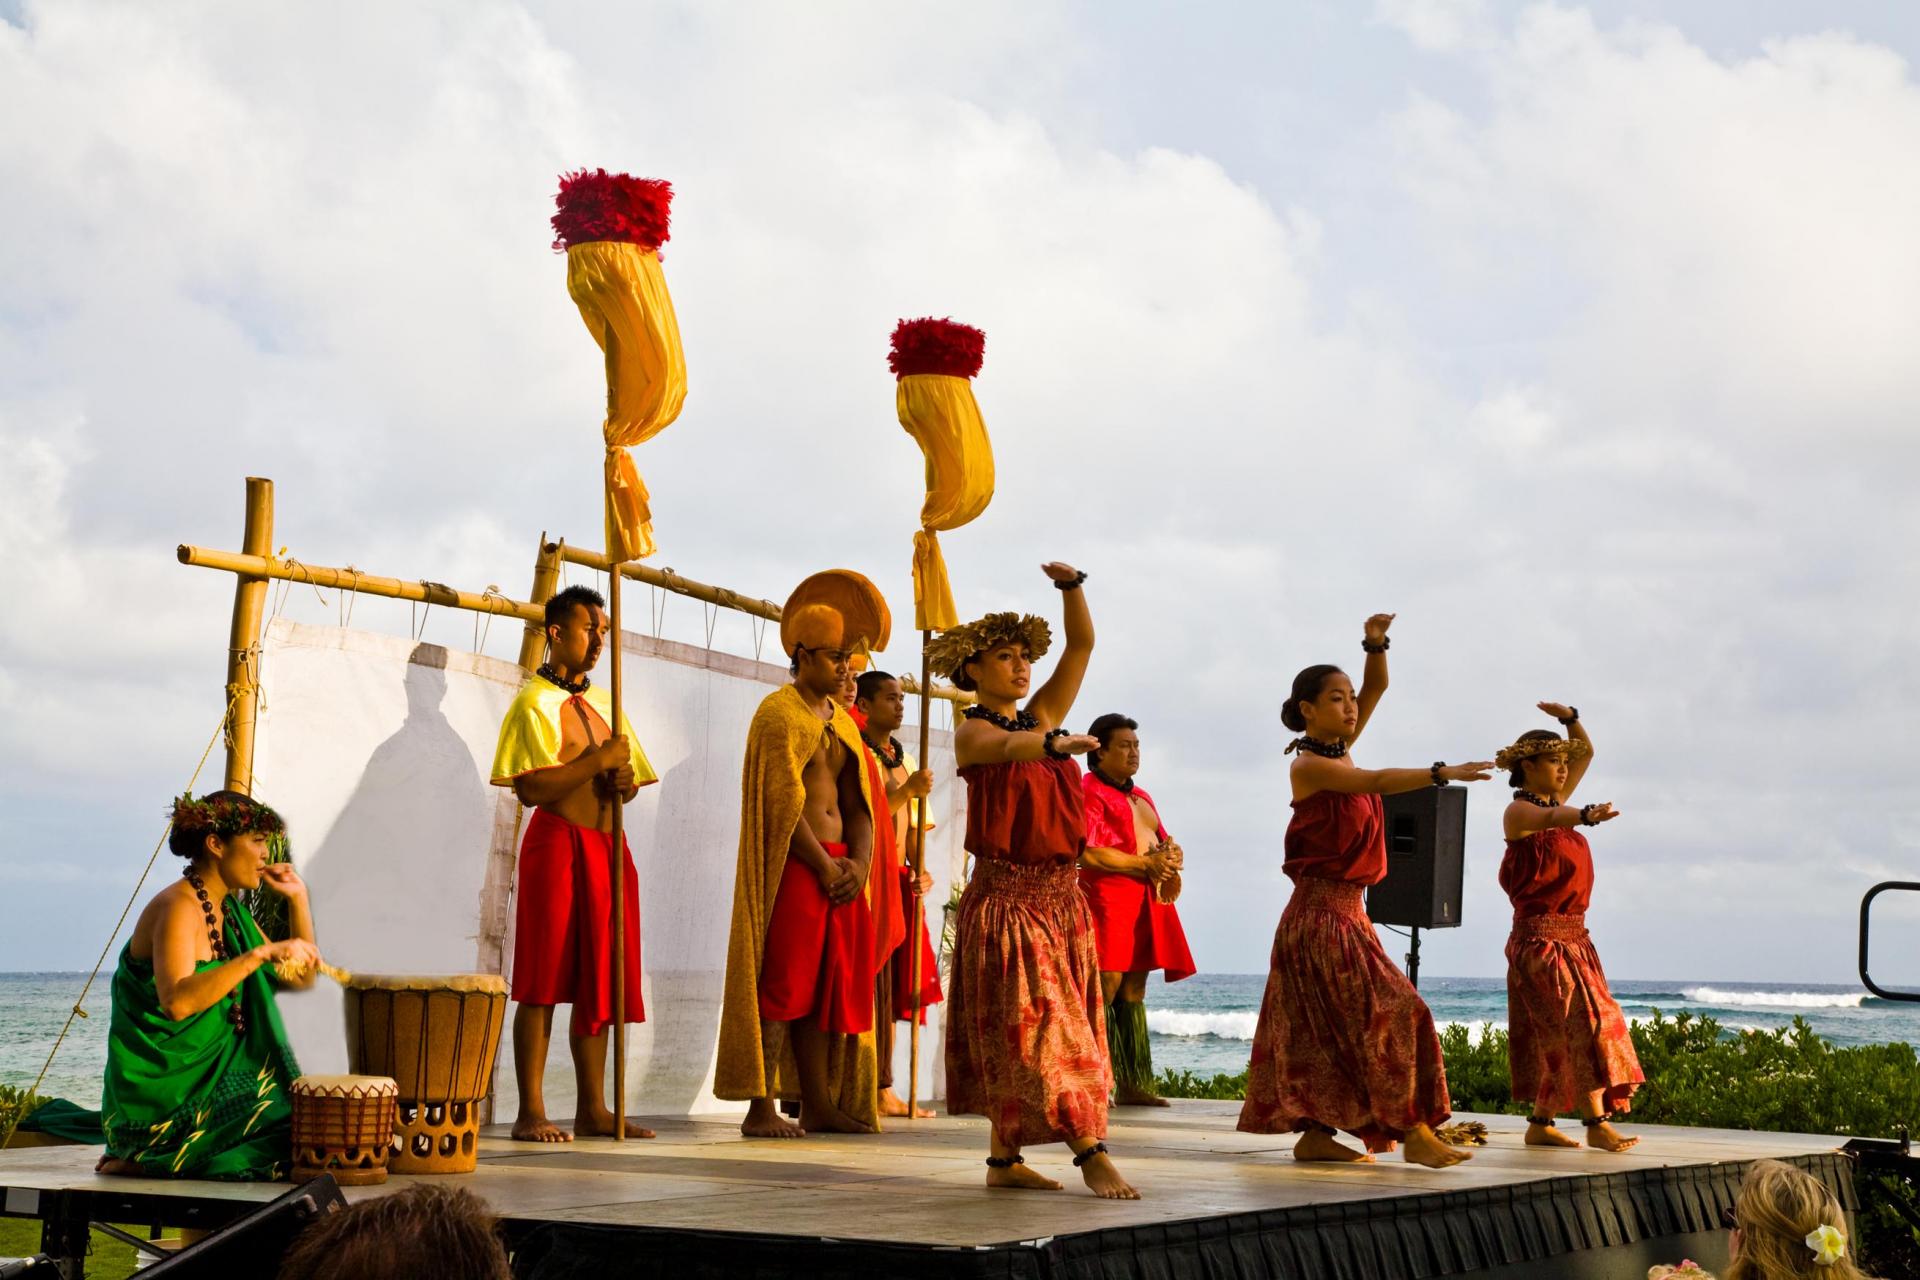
{"x": 243, "y": 639}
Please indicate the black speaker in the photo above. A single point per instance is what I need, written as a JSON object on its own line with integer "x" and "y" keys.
{"x": 1426, "y": 859}
{"x": 254, "y": 1245}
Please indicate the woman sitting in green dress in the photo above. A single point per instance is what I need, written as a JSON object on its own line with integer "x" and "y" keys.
{"x": 198, "y": 1065}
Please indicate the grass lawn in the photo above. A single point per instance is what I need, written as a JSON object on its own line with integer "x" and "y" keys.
{"x": 111, "y": 1260}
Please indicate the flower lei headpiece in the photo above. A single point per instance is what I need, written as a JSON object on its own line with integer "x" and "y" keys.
{"x": 226, "y": 816}
{"x": 1829, "y": 1244}
{"x": 1527, "y": 748}
{"x": 949, "y": 650}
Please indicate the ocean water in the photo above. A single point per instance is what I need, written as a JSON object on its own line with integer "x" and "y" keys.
{"x": 1204, "y": 1024}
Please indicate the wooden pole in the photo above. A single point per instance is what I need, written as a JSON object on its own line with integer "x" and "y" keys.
{"x": 546, "y": 574}
{"x": 619, "y": 886}
{"x": 264, "y": 567}
{"x": 243, "y": 640}
{"x": 916, "y": 917}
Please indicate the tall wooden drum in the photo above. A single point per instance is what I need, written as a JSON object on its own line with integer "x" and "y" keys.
{"x": 437, "y": 1036}
{"x": 342, "y": 1125}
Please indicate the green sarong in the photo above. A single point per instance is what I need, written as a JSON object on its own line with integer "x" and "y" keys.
{"x": 195, "y": 1099}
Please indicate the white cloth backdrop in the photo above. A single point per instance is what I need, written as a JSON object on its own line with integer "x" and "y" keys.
{"x": 377, "y": 751}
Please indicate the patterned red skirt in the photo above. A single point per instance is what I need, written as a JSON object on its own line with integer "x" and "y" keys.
{"x": 1567, "y": 1038}
{"x": 1343, "y": 1038}
{"x": 1026, "y": 1038}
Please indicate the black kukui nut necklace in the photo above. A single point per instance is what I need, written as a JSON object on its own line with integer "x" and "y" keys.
{"x": 216, "y": 938}
{"x": 1331, "y": 750}
{"x": 1022, "y": 723}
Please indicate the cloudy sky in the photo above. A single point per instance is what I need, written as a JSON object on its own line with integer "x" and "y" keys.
{"x": 1583, "y": 337}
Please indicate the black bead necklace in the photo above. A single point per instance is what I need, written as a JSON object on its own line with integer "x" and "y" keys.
{"x": 898, "y": 758}
{"x": 1531, "y": 798}
{"x": 216, "y": 939}
{"x": 1024, "y": 722}
{"x": 1124, "y": 787}
{"x": 1331, "y": 750}
{"x": 574, "y": 687}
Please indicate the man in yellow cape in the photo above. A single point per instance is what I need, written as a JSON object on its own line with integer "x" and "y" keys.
{"x": 797, "y": 1017}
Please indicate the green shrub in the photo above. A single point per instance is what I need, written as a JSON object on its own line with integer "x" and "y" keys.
{"x": 16, "y": 1104}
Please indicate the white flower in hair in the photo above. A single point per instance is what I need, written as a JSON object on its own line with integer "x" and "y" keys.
{"x": 1829, "y": 1244}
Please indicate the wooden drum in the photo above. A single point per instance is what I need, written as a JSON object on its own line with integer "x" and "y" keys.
{"x": 343, "y": 1125}
{"x": 437, "y": 1036}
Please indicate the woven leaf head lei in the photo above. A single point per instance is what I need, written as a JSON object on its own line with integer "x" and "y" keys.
{"x": 953, "y": 648}
{"x": 1540, "y": 742}
{"x": 225, "y": 814}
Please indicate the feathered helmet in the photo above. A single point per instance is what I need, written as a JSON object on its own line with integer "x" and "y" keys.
{"x": 953, "y": 648}
{"x": 835, "y": 609}
{"x": 1540, "y": 742}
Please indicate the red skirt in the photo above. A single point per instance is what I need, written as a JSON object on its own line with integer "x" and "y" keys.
{"x": 1343, "y": 1038}
{"x": 1026, "y": 1039}
{"x": 1567, "y": 1038}
{"x": 1134, "y": 930}
{"x": 904, "y": 1003}
{"x": 818, "y": 961}
{"x": 563, "y": 923}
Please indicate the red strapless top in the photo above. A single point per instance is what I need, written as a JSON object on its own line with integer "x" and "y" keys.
{"x": 1027, "y": 811}
{"x": 1549, "y": 873}
{"x": 1337, "y": 836}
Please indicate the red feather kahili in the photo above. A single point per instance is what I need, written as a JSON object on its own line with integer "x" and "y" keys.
{"x": 597, "y": 205}
{"x": 936, "y": 346}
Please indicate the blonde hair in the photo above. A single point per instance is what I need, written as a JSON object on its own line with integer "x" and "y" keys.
{"x": 1777, "y": 1209}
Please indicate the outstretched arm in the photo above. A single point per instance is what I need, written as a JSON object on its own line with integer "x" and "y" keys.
{"x": 1313, "y": 774}
{"x": 1524, "y": 817}
{"x": 1373, "y": 678}
{"x": 1055, "y": 699}
{"x": 977, "y": 742}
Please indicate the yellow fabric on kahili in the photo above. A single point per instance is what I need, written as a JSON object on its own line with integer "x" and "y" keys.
{"x": 784, "y": 735}
{"x": 622, "y": 296}
{"x": 938, "y": 410}
{"x": 530, "y": 734}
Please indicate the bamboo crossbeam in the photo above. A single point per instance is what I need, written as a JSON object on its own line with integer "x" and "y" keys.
{"x": 353, "y": 580}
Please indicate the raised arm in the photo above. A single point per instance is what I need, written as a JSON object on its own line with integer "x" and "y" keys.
{"x": 1314, "y": 773}
{"x": 1570, "y": 720}
{"x": 1373, "y": 677}
{"x": 1055, "y": 699}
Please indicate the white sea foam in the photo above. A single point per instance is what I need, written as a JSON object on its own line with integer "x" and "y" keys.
{"x": 1478, "y": 1025}
{"x": 1235, "y": 1025}
{"x": 1717, "y": 998}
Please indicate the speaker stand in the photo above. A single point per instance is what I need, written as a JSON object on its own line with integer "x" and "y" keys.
{"x": 1413, "y": 957}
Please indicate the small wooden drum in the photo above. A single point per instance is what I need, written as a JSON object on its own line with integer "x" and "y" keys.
{"x": 437, "y": 1036}
{"x": 343, "y": 1125}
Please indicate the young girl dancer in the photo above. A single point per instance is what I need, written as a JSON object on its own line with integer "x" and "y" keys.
{"x": 1025, "y": 1042}
{"x": 1344, "y": 1042}
{"x": 1568, "y": 1044}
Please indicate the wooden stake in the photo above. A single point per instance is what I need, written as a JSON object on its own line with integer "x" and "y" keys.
{"x": 243, "y": 640}
{"x": 619, "y": 886}
{"x": 916, "y": 917}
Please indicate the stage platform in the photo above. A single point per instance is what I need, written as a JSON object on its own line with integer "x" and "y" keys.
{"x": 700, "y": 1200}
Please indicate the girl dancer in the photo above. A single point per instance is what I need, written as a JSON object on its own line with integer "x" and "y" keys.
{"x": 1344, "y": 1042}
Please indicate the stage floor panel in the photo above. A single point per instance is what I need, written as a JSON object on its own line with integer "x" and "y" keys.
{"x": 920, "y": 1183}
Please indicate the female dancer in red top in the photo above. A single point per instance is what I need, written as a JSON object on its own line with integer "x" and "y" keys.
{"x": 1344, "y": 1041}
{"x": 1568, "y": 1044}
{"x": 1025, "y": 1043}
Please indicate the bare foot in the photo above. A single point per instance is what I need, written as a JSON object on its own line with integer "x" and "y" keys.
{"x": 1540, "y": 1135}
{"x": 891, "y": 1104}
{"x": 765, "y": 1121}
{"x": 1315, "y": 1145}
{"x": 1137, "y": 1098}
{"x": 829, "y": 1119}
{"x": 528, "y": 1128}
{"x": 599, "y": 1124}
{"x": 1019, "y": 1178}
{"x": 1104, "y": 1180}
{"x": 115, "y": 1167}
{"x": 1604, "y": 1137}
{"x": 1424, "y": 1148}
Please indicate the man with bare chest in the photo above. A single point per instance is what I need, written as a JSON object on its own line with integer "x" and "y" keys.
{"x": 1130, "y": 871}
{"x": 797, "y": 1017}
{"x": 558, "y": 752}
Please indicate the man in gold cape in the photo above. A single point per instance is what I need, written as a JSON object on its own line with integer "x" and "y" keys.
{"x": 797, "y": 1016}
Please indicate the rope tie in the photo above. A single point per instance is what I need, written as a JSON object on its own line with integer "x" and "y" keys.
{"x": 713, "y": 616}
{"x": 423, "y": 611}
{"x": 759, "y": 625}
{"x": 480, "y": 633}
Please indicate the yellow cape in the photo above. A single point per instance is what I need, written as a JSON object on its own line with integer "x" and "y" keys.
{"x": 530, "y": 735}
{"x": 785, "y": 734}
